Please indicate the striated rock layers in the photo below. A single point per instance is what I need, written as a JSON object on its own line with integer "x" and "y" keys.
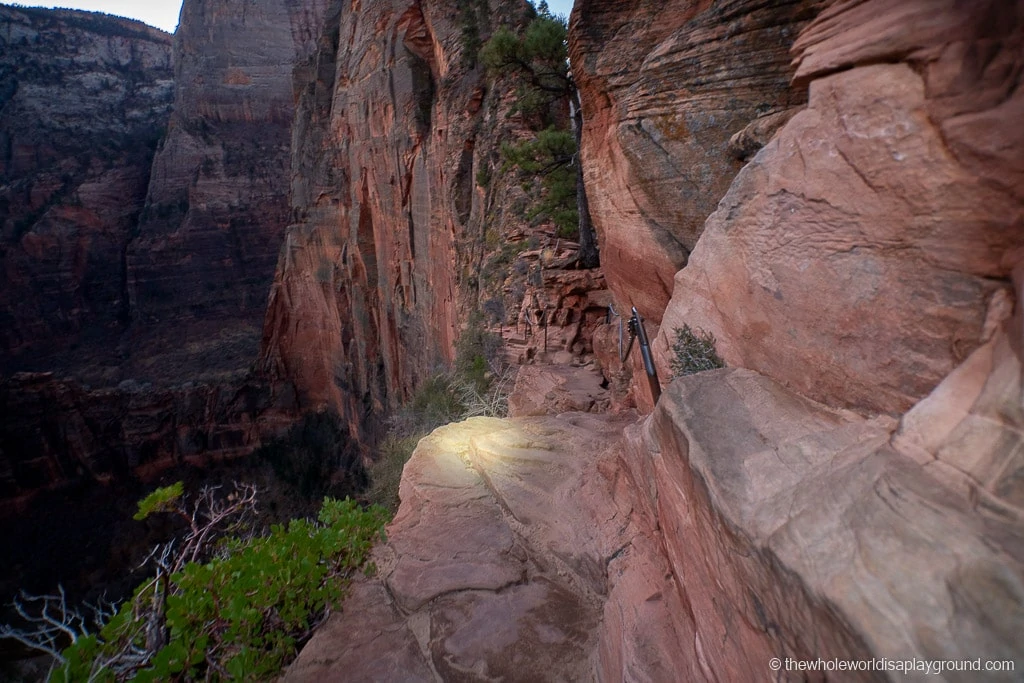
{"x": 866, "y": 250}
{"x": 664, "y": 87}
{"x": 142, "y": 293}
{"x": 84, "y": 100}
{"x": 868, "y": 258}
{"x": 55, "y": 432}
{"x": 795, "y": 531}
{"x": 217, "y": 204}
{"x": 394, "y": 123}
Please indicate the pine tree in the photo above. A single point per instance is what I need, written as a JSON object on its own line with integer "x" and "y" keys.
{"x": 539, "y": 59}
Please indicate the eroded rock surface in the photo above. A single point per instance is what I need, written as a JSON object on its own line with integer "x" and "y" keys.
{"x": 84, "y": 100}
{"x": 510, "y": 537}
{"x": 57, "y": 433}
{"x": 739, "y": 522}
{"x": 138, "y": 296}
{"x": 217, "y": 206}
{"x": 555, "y": 389}
{"x": 664, "y": 86}
{"x": 856, "y": 256}
{"x": 394, "y": 124}
{"x": 797, "y": 531}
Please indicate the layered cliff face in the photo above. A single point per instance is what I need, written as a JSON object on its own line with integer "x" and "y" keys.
{"x": 217, "y": 204}
{"x": 138, "y": 297}
{"x": 394, "y": 123}
{"x": 867, "y": 257}
{"x": 869, "y": 245}
{"x": 56, "y": 432}
{"x": 664, "y": 89}
{"x": 84, "y": 100}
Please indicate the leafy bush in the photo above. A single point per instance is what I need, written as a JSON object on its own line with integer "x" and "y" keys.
{"x": 549, "y": 157}
{"x": 241, "y": 614}
{"x": 693, "y": 351}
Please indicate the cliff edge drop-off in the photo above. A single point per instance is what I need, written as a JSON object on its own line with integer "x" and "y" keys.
{"x": 296, "y": 206}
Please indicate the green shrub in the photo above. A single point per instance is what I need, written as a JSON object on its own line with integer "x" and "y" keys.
{"x": 693, "y": 351}
{"x": 239, "y": 616}
{"x": 478, "y": 353}
{"x": 548, "y": 157}
{"x": 163, "y": 499}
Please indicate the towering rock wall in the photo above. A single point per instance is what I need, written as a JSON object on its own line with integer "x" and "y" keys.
{"x": 84, "y": 100}
{"x": 217, "y": 205}
{"x": 394, "y": 122}
{"x": 139, "y": 299}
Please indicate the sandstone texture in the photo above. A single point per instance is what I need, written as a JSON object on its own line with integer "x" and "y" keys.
{"x": 738, "y": 523}
{"x": 856, "y": 257}
{"x": 217, "y": 204}
{"x": 377, "y": 269}
{"x": 515, "y": 540}
{"x": 556, "y": 389}
{"x": 84, "y": 100}
{"x": 559, "y": 311}
{"x": 135, "y": 280}
{"x": 798, "y": 531}
{"x": 664, "y": 87}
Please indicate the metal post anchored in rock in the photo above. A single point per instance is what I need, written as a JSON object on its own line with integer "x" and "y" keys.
{"x": 636, "y": 329}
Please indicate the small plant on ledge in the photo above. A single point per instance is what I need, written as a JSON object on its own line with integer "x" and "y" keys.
{"x": 224, "y": 603}
{"x": 694, "y": 351}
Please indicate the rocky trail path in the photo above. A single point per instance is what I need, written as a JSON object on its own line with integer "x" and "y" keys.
{"x": 503, "y": 563}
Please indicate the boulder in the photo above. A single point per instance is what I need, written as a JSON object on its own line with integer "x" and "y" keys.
{"x": 555, "y": 389}
{"x": 796, "y": 531}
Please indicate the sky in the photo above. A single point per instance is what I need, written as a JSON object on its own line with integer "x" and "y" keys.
{"x": 164, "y": 13}
{"x": 160, "y": 13}
{"x": 562, "y": 7}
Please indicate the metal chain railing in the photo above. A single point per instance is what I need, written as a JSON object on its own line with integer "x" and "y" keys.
{"x": 635, "y": 325}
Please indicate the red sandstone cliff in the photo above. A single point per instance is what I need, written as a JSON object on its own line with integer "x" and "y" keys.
{"x": 139, "y": 294}
{"x": 850, "y": 486}
{"x": 869, "y": 246}
{"x": 664, "y": 86}
{"x": 381, "y": 259}
{"x": 863, "y": 258}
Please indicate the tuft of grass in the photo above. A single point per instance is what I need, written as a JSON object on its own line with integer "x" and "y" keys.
{"x": 694, "y": 351}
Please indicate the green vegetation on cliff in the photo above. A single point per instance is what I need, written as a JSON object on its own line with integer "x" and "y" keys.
{"x": 224, "y": 603}
{"x": 547, "y": 98}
